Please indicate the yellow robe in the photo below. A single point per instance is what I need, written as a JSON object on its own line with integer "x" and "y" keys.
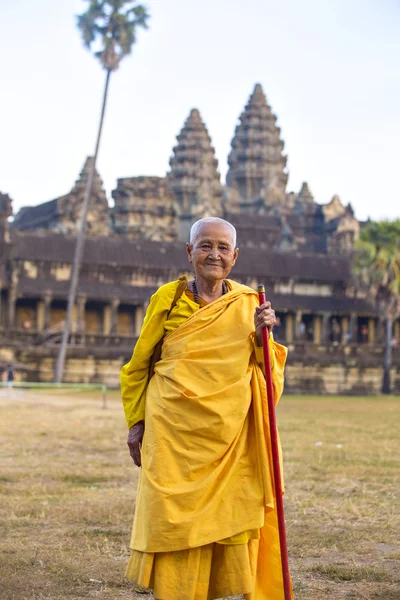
{"x": 206, "y": 464}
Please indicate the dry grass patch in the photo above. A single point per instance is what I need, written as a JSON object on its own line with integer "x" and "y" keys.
{"x": 67, "y": 489}
{"x": 340, "y": 572}
{"x": 342, "y": 502}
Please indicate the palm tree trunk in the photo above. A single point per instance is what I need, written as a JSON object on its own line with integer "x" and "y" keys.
{"x": 388, "y": 357}
{"x": 80, "y": 241}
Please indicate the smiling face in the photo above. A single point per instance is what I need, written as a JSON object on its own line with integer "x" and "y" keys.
{"x": 212, "y": 253}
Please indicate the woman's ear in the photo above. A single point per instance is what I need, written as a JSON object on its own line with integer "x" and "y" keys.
{"x": 235, "y": 255}
{"x": 189, "y": 249}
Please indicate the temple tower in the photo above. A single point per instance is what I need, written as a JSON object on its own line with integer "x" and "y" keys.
{"x": 304, "y": 202}
{"x": 144, "y": 209}
{"x": 70, "y": 206}
{"x": 5, "y": 212}
{"x": 5, "y": 246}
{"x": 305, "y": 196}
{"x": 62, "y": 214}
{"x": 342, "y": 227}
{"x": 256, "y": 163}
{"x": 194, "y": 176}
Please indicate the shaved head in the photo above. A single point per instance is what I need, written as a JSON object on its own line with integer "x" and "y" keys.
{"x": 194, "y": 231}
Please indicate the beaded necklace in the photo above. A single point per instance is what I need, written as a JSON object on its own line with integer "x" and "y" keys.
{"x": 196, "y": 293}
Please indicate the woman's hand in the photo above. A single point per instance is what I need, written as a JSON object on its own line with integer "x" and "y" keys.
{"x": 264, "y": 316}
{"x": 135, "y": 437}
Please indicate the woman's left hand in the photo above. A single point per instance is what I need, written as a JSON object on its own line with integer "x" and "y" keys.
{"x": 264, "y": 316}
{"x": 135, "y": 437}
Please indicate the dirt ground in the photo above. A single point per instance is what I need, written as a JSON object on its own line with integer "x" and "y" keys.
{"x": 67, "y": 497}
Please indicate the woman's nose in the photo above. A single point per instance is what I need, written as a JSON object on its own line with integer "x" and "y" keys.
{"x": 214, "y": 253}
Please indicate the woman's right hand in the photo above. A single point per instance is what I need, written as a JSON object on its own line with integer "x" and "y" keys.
{"x": 135, "y": 437}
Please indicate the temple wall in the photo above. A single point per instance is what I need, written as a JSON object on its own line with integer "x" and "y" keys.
{"x": 337, "y": 379}
{"x": 325, "y": 372}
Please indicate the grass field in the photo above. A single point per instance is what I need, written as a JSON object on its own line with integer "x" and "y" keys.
{"x": 67, "y": 489}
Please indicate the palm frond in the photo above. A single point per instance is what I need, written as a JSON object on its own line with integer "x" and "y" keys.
{"x": 109, "y": 28}
{"x": 376, "y": 265}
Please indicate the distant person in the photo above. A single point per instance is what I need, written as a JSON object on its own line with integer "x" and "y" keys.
{"x": 10, "y": 377}
{"x": 336, "y": 331}
{"x": 302, "y": 330}
{"x": 10, "y": 380}
{"x": 364, "y": 334}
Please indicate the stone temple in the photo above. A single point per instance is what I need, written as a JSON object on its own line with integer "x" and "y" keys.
{"x": 300, "y": 249}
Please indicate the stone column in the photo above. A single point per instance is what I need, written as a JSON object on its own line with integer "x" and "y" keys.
{"x": 345, "y": 329}
{"x": 371, "y": 331}
{"x": 114, "y": 315}
{"x": 139, "y": 316}
{"x": 12, "y": 300}
{"x": 46, "y": 310}
{"x": 107, "y": 319}
{"x": 74, "y": 319}
{"x": 40, "y": 315}
{"x": 325, "y": 327}
{"x": 353, "y": 328}
{"x": 299, "y": 315}
{"x": 289, "y": 327}
{"x": 317, "y": 329}
{"x": 380, "y": 332}
{"x": 80, "y": 314}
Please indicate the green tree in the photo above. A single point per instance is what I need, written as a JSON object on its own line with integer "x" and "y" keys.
{"x": 109, "y": 29}
{"x": 376, "y": 269}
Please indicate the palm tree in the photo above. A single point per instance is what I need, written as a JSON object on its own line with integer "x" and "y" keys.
{"x": 110, "y": 27}
{"x": 376, "y": 269}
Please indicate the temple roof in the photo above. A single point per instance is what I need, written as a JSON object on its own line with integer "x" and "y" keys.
{"x": 158, "y": 256}
{"x": 253, "y": 230}
{"x": 33, "y": 217}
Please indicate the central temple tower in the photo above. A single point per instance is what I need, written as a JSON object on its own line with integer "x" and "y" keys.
{"x": 194, "y": 176}
{"x": 257, "y": 167}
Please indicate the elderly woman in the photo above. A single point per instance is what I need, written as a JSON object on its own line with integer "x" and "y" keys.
{"x": 205, "y": 523}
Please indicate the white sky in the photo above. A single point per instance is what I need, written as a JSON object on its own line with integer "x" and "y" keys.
{"x": 329, "y": 68}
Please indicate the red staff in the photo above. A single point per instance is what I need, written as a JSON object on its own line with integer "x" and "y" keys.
{"x": 275, "y": 457}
